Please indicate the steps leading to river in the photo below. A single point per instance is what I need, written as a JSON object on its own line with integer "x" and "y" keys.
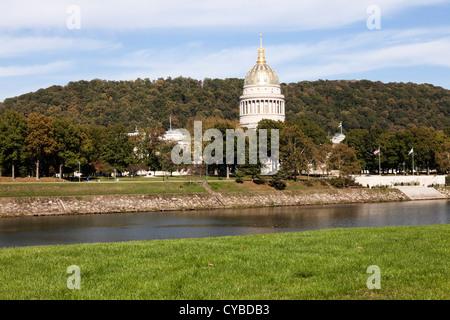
{"x": 216, "y": 195}
{"x": 421, "y": 192}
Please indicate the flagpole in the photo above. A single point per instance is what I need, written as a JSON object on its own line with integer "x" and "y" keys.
{"x": 379, "y": 161}
{"x": 413, "y": 163}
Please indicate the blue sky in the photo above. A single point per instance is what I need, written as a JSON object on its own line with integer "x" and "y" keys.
{"x": 48, "y": 42}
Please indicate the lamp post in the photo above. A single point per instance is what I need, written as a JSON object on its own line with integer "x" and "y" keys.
{"x": 79, "y": 172}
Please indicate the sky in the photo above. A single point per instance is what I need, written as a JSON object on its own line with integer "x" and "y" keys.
{"x": 54, "y": 42}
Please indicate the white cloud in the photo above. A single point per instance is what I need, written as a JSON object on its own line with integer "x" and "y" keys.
{"x": 336, "y": 62}
{"x": 14, "y": 46}
{"x": 14, "y": 71}
{"x": 144, "y": 14}
{"x": 295, "y": 61}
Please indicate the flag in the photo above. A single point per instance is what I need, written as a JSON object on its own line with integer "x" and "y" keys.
{"x": 376, "y": 151}
{"x": 340, "y": 124}
{"x": 412, "y": 151}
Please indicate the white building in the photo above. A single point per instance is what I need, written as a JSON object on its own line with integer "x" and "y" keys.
{"x": 338, "y": 138}
{"x": 175, "y": 135}
{"x": 262, "y": 98}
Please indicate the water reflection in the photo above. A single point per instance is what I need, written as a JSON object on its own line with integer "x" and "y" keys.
{"x": 25, "y": 231}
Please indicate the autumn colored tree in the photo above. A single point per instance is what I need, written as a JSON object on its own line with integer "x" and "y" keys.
{"x": 343, "y": 158}
{"x": 322, "y": 158}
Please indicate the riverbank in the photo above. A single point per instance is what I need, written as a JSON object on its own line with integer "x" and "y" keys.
{"x": 322, "y": 264}
{"x": 217, "y": 195}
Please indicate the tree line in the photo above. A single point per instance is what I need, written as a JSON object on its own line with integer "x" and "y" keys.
{"x": 358, "y": 104}
{"x": 38, "y": 145}
{"x": 430, "y": 149}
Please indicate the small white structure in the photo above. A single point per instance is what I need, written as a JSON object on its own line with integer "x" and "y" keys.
{"x": 398, "y": 180}
{"x": 338, "y": 138}
{"x": 170, "y": 135}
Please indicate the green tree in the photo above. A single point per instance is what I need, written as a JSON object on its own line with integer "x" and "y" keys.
{"x": 359, "y": 140}
{"x": 164, "y": 155}
{"x": 312, "y": 130}
{"x": 117, "y": 148}
{"x": 40, "y": 140}
{"x": 13, "y": 152}
{"x": 425, "y": 145}
{"x": 73, "y": 146}
{"x": 295, "y": 148}
{"x": 442, "y": 158}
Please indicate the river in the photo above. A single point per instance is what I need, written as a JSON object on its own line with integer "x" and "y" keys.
{"x": 70, "y": 229}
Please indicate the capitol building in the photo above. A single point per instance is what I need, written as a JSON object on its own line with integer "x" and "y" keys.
{"x": 262, "y": 98}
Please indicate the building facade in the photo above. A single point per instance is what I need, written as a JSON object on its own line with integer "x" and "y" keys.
{"x": 262, "y": 98}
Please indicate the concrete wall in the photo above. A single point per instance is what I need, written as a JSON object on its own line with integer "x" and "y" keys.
{"x": 390, "y": 181}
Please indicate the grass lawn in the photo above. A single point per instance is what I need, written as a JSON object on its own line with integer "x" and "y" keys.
{"x": 139, "y": 186}
{"x": 305, "y": 184}
{"x": 95, "y": 188}
{"x": 324, "y": 264}
{"x": 160, "y": 178}
{"x": 233, "y": 186}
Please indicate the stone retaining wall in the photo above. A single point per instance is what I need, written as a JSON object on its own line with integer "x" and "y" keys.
{"x": 30, "y": 206}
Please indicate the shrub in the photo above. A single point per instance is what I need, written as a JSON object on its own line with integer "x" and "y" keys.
{"x": 240, "y": 177}
{"x": 277, "y": 182}
{"x": 259, "y": 179}
{"x": 343, "y": 182}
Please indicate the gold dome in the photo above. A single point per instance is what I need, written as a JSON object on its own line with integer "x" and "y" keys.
{"x": 261, "y": 73}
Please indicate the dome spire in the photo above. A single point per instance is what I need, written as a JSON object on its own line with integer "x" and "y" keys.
{"x": 261, "y": 57}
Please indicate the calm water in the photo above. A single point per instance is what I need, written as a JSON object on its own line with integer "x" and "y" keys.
{"x": 27, "y": 231}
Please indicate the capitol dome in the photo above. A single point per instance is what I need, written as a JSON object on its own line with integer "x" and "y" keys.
{"x": 262, "y": 98}
{"x": 261, "y": 73}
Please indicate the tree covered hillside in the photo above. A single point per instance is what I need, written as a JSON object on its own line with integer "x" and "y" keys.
{"x": 358, "y": 104}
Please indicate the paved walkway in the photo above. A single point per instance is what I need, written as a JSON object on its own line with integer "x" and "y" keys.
{"x": 421, "y": 193}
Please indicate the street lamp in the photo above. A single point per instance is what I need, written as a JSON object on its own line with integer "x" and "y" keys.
{"x": 79, "y": 172}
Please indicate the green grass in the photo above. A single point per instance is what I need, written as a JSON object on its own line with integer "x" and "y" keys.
{"x": 95, "y": 188}
{"x": 160, "y": 178}
{"x": 304, "y": 185}
{"x": 324, "y": 264}
{"x": 136, "y": 186}
{"x": 233, "y": 186}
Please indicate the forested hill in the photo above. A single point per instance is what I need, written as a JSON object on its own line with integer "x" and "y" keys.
{"x": 358, "y": 104}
